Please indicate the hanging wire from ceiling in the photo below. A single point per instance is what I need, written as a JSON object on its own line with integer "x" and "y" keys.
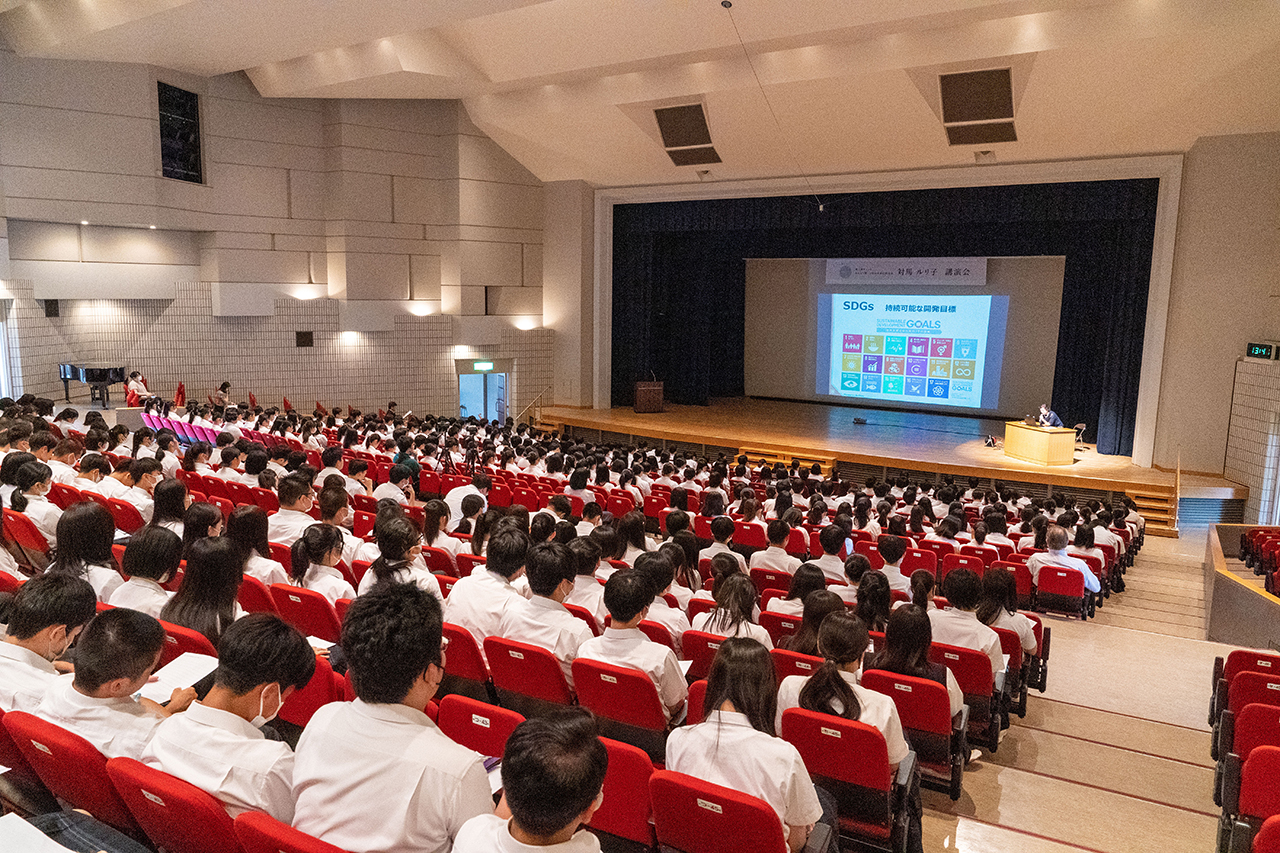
{"x": 795, "y": 162}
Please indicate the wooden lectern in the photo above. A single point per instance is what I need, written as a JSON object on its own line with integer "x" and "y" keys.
{"x": 648, "y": 397}
{"x": 1042, "y": 445}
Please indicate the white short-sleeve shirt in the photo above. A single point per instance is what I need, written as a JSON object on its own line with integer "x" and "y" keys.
{"x": 546, "y": 623}
{"x": 413, "y": 573}
{"x": 327, "y": 581}
{"x": 489, "y": 833}
{"x": 876, "y": 709}
{"x": 116, "y": 727}
{"x": 286, "y": 526}
{"x": 141, "y": 594}
{"x": 630, "y": 648}
{"x": 24, "y": 678}
{"x": 478, "y": 602}
{"x": 962, "y": 628}
{"x": 776, "y": 559}
{"x": 589, "y": 593}
{"x": 750, "y": 630}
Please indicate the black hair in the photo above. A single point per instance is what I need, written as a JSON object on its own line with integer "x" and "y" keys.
{"x": 152, "y": 552}
{"x": 922, "y": 584}
{"x": 390, "y": 636}
{"x": 999, "y": 594}
{"x": 292, "y": 489}
{"x": 626, "y": 594}
{"x": 843, "y": 640}
{"x": 247, "y": 528}
{"x": 742, "y": 673}
{"x": 735, "y": 598}
{"x": 193, "y": 453}
{"x": 506, "y": 552}
{"x": 541, "y": 527}
{"x": 831, "y": 538}
{"x": 907, "y": 638}
{"x": 891, "y": 548}
{"x": 817, "y": 606}
{"x": 315, "y": 543}
{"x": 808, "y": 578}
{"x": 28, "y": 476}
{"x": 657, "y": 568}
{"x": 50, "y": 599}
{"x": 119, "y": 643}
{"x": 855, "y": 566}
{"x": 631, "y": 529}
{"x": 396, "y": 538}
{"x": 197, "y": 520}
{"x": 962, "y": 588}
{"x": 206, "y": 600}
{"x": 170, "y": 498}
{"x": 261, "y": 648}
{"x": 553, "y": 769}
{"x": 874, "y": 599}
{"x": 85, "y": 533}
{"x": 722, "y": 528}
{"x": 547, "y": 564}
{"x": 586, "y": 555}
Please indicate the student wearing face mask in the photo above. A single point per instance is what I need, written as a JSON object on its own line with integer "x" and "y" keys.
{"x": 217, "y": 744}
{"x": 33, "y": 482}
{"x": 46, "y": 615}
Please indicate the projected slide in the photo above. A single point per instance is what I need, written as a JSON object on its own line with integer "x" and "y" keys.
{"x": 915, "y": 350}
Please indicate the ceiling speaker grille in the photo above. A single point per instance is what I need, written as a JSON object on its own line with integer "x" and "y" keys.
{"x": 682, "y": 127}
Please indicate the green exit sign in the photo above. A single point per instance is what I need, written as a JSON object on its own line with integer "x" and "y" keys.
{"x": 486, "y": 365}
{"x": 1265, "y": 351}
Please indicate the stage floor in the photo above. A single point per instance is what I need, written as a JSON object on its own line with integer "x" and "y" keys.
{"x": 943, "y": 443}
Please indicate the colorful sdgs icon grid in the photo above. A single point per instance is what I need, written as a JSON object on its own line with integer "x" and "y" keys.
{"x": 906, "y": 366}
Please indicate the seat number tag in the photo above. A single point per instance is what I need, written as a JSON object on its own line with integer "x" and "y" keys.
{"x": 709, "y": 806}
{"x": 830, "y": 732}
{"x": 905, "y": 688}
{"x": 153, "y": 798}
{"x": 477, "y": 720}
{"x": 608, "y": 678}
{"x": 515, "y": 654}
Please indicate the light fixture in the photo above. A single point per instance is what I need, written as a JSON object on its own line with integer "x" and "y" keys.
{"x": 350, "y": 338}
{"x": 526, "y": 323}
{"x": 307, "y": 291}
{"x": 84, "y": 222}
{"x": 152, "y": 227}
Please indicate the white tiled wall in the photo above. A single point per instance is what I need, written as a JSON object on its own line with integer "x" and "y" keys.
{"x": 1253, "y": 438}
{"x": 181, "y": 341}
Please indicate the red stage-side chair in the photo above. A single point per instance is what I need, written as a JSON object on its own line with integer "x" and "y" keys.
{"x": 527, "y": 677}
{"x": 70, "y": 767}
{"x": 179, "y": 640}
{"x": 626, "y": 810}
{"x": 851, "y": 761}
{"x": 323, "y": 688}
{"x": 477, "y": 725}
{"x": 939, "y": 741}
{"x": 308, "y": 611}
{"x": 793, "y": 663}
{"x": 174, "y": 814}
{"x": 255, "y": 597}
{"x": 1246, "y": 688}
{"x": 693, "y": 816}
{"x": 627, "y": 703}
{"x": 259, "y": 832}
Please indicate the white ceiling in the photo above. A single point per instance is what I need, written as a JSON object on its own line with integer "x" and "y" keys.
{"x": 789, "y": 86}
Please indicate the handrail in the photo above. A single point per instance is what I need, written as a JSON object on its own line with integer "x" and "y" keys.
{"x": 1177, "y": 489}
{"x": 536, "y": 405}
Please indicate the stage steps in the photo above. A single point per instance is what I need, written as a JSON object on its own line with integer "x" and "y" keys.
{"x": 1159, "y": 506}
{"x": 774, "y": 455}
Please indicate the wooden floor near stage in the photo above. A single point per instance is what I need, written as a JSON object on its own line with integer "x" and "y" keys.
{"x": 889, "y": 439}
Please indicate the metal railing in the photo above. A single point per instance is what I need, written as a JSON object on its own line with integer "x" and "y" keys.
{"x": 536, "y": 406}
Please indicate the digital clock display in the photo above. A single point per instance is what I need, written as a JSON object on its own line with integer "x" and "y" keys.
{"x": 1266, "y": 351}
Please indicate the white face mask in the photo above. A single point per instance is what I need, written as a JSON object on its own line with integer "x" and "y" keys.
{"x": 261, "y": 720}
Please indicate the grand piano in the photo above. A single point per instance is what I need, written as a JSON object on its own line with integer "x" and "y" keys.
{"x": 98, "y": 378}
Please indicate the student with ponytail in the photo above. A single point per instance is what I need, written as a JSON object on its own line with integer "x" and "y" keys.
{"x": 32, "y": 483}
{"x": 312, "y": 560}
{"x": 399, "y": 552}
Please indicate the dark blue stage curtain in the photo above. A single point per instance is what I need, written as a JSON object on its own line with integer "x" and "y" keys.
{"x": 679, "y": 278}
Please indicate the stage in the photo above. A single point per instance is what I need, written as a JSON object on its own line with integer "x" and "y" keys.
{"x": 889, "y": 442}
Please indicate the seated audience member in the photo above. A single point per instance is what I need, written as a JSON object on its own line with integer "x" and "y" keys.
{"x": 542, "y": 620}
{"x": 892, "y": 549}
{"x": 46, "y": 615}
{"x": 32, "y": 484}
{"x": 906, "y": 652}
{"x": 206, "y": 600}
{"x": 171, "y": 502}
{"x": 775, "y": 558}
{"x": 628, "y": 594}
{"x": 662, "y": 575}
{"x": 922, "y": 590}
{"x": 217, "y": 744}
{"x": 92, "y": 468}
{"x": 146, "y": 474}
{"x": 735, "y": 602}
{"x": 855, "y": 567}
{"x": 85, "y": 534}
{"x": 399, "y": 553}
{"x": 999, "y": 607}
{"x": 335, "y": 509}
{"x": 151, "y": 558}
{"x": 230, "y": 458}
{"x": 735, "y": 745}
{"x": 201, "y": 521}
{"x": 435, "y": 531}
{"x": 1056, "y": 540}
{"x": 285, "y": 526}
{"x": 958, "y": 624}
{"x": 808, "y": 578}
{"x": 631, "y": 530}
{"x": 722, "y": 533}
{"x": 587, "y": 591}
{"x": 115, "y": 657}
{"x": 376, "y": 774}
{"x": 331, "y": 459}
{"x": 313, "y": 560}
{"x": 945, "y": 531}
{"x": 553, "y": 772}
{"x": 834, "y": 689}
{"x": 832, "y": 539}
{"x": 1084, "y": 544}
{"x": 817, "y": 605}
{"x": 248, "y": 530}
{"x": 478, "y": 601}
{"x": 399, "y": 487}
{"x": 479, "y": 486}
{"x": 62, "y": 462}
{"x": 874, "y": 601}
{"x": 591, "y": 515}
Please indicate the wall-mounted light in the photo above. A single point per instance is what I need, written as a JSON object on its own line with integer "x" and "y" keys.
{"x": 351, "y": 338}
{"x": 152, "y": 227}
{"x": 84, "y": 222}
{"x": 527, "y": 322}
{"x": 307, "y": 291}
{"x": 420, "y": 309}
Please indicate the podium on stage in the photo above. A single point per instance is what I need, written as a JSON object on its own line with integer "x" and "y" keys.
{"x": 648, "y": 398}
{"x": 1041, "y": 445}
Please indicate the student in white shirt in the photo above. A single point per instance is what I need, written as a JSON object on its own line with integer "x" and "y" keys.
{"x": 542, "y": 620}
{"x": 892, "y": 549}
{"x": 808, "y": 578}
{"x": 587, "y": 591}
{"x": 659, "y": 571}
{"x": 399, "y": 559}
{"x": 33, "y": 481}
{"x": 85, "y": 533}
{"x": 398, "y": 487}
{"x": 217, "y": 745}
{"x": 376, "y": 773}
{"x": 90, "y": 471}
{"x": 735, "y": 602}
{"x": 628, "y": 595}
{"x": 313, "y": 558}
{"x": 171, "y": 502}
{"x": 46, "y": 615}
{"x": 115, "y": 657}
{"x": 908, "y": 637}
{"x": 169, "y": 452}
{"x": 832, "y": 539}
{"x": 592, "y": 515}
{"x": 1084, "y": 545}
{"x": 722, "y": 533}
{"x": 247, "y": 528}
{"x": 553, "y": 771}
{"x": 434, "y": 533}
{"x": 146, "y": 474}
{"x": 296, "y": 498}
{"x": 735, "y": 746}
{"x": 206, "y": 600}
{"x": 958, "y": 624}
{"x": 487, "y": 592}
{"x": 480, "y": 485}
{"x": 999, "y": 607}
{"x": 151, "y": 558}
{"x": 775, "y": 558}
{"x": 62, "y": 462}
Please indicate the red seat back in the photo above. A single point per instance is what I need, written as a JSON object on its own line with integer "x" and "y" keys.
{"x": 64, "y": 496}
{"x": 626, "y": 809}
{"x": 307, "y": 610}
{"x": 700, "y": 605}
{"x": 871, "y": 552}
{"x": 749, "y": 535}
{"x": 462, "y": 658}
{"x": 700, "y": 647}
{"x": 254, "y": 596}
{"x": 972, "y": 562}
{"x": 920, "y": 558}
{"x": 71, "y": 767}
{"x": 174, "y": 814}
{"x": 1268, "y": 838}
{"x": 266, "y": 499}
{"x": 1011, "y": 645}
{"x": 179, "y": 640}
{"x": 779, "y": 625}
{"x": 620, "y": 503}
{"x": 692, "y": 815}
{"x": 323, "y": 688}
{"x": 1249, "y": 660}
{"x": 1250, "y": 687}
{"x": 770, "y": 579}
{"x": 793, "y": 663}
{"x": 241, "y": 494}
{"x": 851, "y": 760}
{"x": 125, "y": 515}
{"x": 697, "y": 697}
{"x": 439, "y": 561}
{"x": 658, "y": 632}
{"x": 971, "y": 668}
{"x": 923, "y": 705}
{"x": 619, "y": 693}
{"x": 585, "y": 615}
{"x": 22, "y": 530}
{"x": 477, "y": 725}
{"x": 259, "y": 832}
{"x": 527, "y": 670}
{"x": 987, "y": 553}
{"x": 467, "y": 562}
{"x": 797, "y": 543}
{"x": 1260, "y": 783}
{"x": 1256, "y": 725}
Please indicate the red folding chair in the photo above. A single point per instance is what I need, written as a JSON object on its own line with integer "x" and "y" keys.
{"x": 214, "y": 487}
{"x": 658, "y": 632}
{"x": 700, "y": 647}
{"x": 626, "y": 810}
{"x": 770, "y": 579}
{"x": 919, "y": 558}
{"x": 464, "y": 667}
{"x": 694, "y": 816}
{"x": 850, "y": 760}
{"x": 1246, "y": 688}
{"x": 924, "y": 708}
{"x": 21, "y": 530}
{"x": 259, "y": 832}
{"x": 323, "y": 688}
{"x": 477, "y": 725}
{"x": 750, "y": 536}
{"x": 987, "y": 553}
{"x": 627, "y": 703}
{"x": 1237, "y": 661}
{"x": 620, "y": 503}
{"x": 125, "y": 515}
{"x": 1017, "y": 672}
{"x": 282, "y": 555}
{"x": 527, "y": 677}
{"x": 972, "y": 670}
{"x": 871, "y": 552}
{"x": 20, "y": 772}
{"x": 797, "y": 543}
{"x": 1256, "y": 725}
{"x": 308, "y": 611}
{"x": 467, "y": 562}
{"x": 255, "y": 597}
{"x": 266, "y": 499}
{"x": 174, "y": 814}
{"x": 793, "y": 663}
{"x": 71, "y": 768}
{"x": 1022, "y": 580}
{"x": 779, "y": 625}
{"x": 439, "y": 561}
{"x": 241, "y": 494}
{"x": 1268, "y": 838}
{"x": 179, "y": 640}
